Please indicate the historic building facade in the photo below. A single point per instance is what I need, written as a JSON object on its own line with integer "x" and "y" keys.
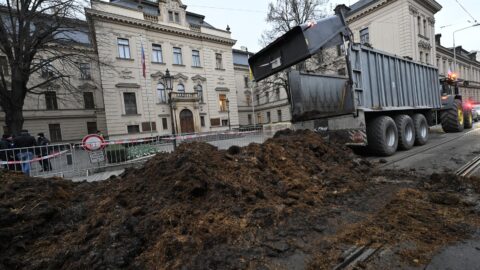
{"x": 197, "y": 55}
{"x": 65, "y": 111}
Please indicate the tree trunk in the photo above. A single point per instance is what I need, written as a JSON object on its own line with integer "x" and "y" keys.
{"x": 14, "y": 121}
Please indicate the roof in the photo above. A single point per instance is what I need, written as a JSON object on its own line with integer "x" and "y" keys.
{"x": 150, "y": 7}
{"x": 360, "y": 5}
{"x": 240, "y": 57}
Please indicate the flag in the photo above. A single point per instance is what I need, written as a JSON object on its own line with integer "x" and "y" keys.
{"x": 144, "y": 67}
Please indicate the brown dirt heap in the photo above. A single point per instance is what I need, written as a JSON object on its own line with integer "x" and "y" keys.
{"x": 274, "y": 205}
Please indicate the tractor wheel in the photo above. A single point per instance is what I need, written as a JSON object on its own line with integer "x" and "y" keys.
{"x": 452, "y": 119}
{"x": 468, "y": 122}
{"x": 406, "y": 131}
{"x": 421, "y": 129}
{"x": 382, "y": 136}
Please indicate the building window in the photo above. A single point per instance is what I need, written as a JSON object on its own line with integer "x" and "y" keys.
{"x": 164, "y": 123}
{"x": 85, "y": 71}
{"x": 196, "y": 58}
{"x": 92, "y": 127}
{"x": 279, "y": 115}
{"x": 130, "y": 103}
{"x": 215, "y": 122}
{"x": 180, "y": 88}
{"x": 4, "y": 65}
{"x": 419, "y": 25}
{"x": 258, "y": 99}
{"x": 222, "y": 101}
{"x": 425, "y": 28}
{"x": 245, "y": 80}
{"x": 199, "y": 90}
{"x": 46, "y": 69}
{"x": 177, "y": 56}
{"x": 341, "y": 72}
{"x": 157, "y": 56}
{"x": 218, "y": 61}
{"x": 146, "y": 126}
{"x": 427, "y": 58}
{"x": 88, "y": 100}
{"x": 161, "y": 94}
{"x": 123, "y": 48}
{"x": 421, "y": 57}
{"x": 277, "y": 93}
{"x": 173, "y": 17}
{"x": 51, "y": 100}
{"x": 132, "y": 129}
{"x": 269, "y": 119}
{"x": 248, "y": 99}
{"x": 364, "y": 36}
{"x": 55, "y": 132}
{"x": 267, "y": 97}
{"x": 224, "y": 122}
{"x": 249, "y": 119}
{"x": 177, "y": 17}
{"x": 259, "y": 118}
{"x": 202, "y": 121}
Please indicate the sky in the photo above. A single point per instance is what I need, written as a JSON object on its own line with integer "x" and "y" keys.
{"x": 246, "y": 19}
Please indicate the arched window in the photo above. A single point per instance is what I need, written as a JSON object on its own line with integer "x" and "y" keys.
{"x": 162, "y": 97}
{"x": 180, "y": 88}
{"x": 199, "y": 90}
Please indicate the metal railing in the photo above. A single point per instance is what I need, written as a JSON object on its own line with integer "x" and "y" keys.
{"x": 72, "y": 160}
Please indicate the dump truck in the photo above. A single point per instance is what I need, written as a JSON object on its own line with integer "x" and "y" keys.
{"x": 384, "y": 102}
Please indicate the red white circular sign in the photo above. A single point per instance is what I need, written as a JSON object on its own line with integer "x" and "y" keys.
{"x": 93, "y": 142}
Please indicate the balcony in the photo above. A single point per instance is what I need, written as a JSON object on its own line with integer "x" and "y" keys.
{"x": 185, "y": 97}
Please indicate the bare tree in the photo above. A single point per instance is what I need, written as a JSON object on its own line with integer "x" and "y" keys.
{"x": 41, "y": 41}
{"x": 283, "y": 15}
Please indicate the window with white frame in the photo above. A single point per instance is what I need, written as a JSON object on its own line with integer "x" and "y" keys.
{"x": 157, "y": 56}
{"x": 199, "y": 90}
{"x": 180, "y": 88}
{"x": 161, "y": 94}
{"x": 123, "y": 48}
{"x": 364, "y": 36}
{"x": 218, "y": 61}
{"x": 177, "y": 56}
{"x": 195, "y": 58}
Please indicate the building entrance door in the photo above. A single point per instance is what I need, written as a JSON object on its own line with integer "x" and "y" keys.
{"x": 186, "y": 121}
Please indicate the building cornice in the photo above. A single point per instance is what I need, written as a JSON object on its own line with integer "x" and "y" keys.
{"x": 449, "y": 53}
{"x": 431, "y": 5}
{"x": 110, "y": 17}
{"x": 368, "y": 10}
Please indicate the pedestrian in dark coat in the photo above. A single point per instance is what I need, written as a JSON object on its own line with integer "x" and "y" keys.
{"x": 27, "y": 142}
{"x": 43, "y": 142}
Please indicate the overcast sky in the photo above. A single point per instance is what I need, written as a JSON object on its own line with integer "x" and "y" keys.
{"x": 246, "y": 19}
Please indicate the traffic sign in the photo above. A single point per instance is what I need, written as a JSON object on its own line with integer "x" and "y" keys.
{"x": 93, "y": 142}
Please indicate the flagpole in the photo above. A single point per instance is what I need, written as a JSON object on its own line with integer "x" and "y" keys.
{"x": 144, "y": 73}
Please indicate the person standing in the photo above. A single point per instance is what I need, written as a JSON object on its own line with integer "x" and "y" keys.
{"x": 43, "y": 142}
{"x": 26, "y": 142}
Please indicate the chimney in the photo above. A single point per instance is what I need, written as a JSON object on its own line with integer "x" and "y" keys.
{"x": 437, "y": 38}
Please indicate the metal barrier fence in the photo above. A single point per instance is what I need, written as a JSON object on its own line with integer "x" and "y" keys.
{"x": 72, "y": 160}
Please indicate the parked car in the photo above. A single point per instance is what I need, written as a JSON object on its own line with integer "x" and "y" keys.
{"x": 476, "y": 112}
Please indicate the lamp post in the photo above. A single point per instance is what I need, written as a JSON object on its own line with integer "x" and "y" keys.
{"x": 455, "y": 48}
{"x": 228, "y": 111}
{"x": 168, "y": 87}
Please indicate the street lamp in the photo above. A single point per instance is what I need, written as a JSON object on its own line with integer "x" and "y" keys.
{"x": 455, "y": 48}
{"x": 228, "y": 110}
{"x": 168, "y": 87}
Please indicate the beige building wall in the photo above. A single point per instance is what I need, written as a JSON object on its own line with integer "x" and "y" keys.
{"x": 68, "y": 120}
{"x": 402, "y": 27}
{"x": 125, "y": 75}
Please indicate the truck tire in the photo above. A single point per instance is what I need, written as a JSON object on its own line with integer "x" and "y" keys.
{"x": 382, "y": 136}
{"x": 406, "y": 131}
{"x": 452, "y": 119}
{"x": 422, "y": 131}
{"x": 468, "y": 121}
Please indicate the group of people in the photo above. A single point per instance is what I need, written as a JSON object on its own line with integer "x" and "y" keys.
{"x": 24, "y": 147}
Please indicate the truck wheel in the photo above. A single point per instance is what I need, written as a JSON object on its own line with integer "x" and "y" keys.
{"x": 421, "y": 129}
{"x": 406, "y": 131}
{"x": 452, "y": 119}
{"x": 468, "y": 122}
{"x": 382, "y": 136}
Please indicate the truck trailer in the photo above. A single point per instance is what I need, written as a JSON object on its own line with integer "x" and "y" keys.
{"x": 385, "y": 102}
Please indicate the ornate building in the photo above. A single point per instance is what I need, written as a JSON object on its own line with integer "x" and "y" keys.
{"x": 197, "y": 55}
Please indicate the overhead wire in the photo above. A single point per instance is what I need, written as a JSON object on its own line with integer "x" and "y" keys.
{"x": 466, "y": 11}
